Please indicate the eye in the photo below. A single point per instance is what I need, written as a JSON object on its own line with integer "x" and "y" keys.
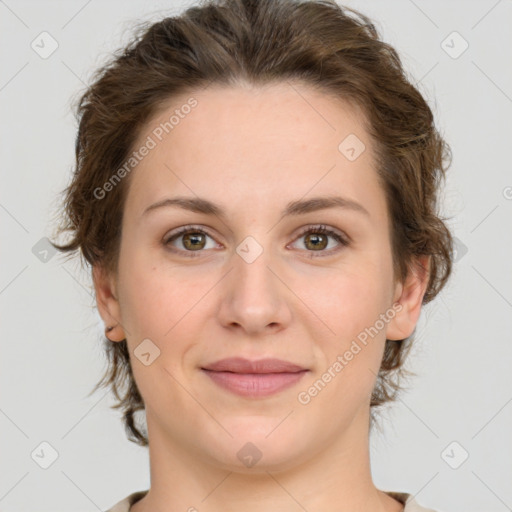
{"x": 317, "y": 238}
{"x": 193, "y": 240}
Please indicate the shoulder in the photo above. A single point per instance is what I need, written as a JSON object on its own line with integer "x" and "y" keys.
{"x": 410, "y": 503}
{"x": 125, "y": 504}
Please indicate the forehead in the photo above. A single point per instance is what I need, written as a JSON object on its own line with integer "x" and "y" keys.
{"x": 277, "y": 142}
{"x": 284, "y": 116}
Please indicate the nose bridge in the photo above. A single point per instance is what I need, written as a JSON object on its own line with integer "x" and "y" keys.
{"x": 253, "y": 295}
{"x": 252, "y": 275}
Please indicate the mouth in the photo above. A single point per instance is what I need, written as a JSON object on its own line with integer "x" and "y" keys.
{"x": 254, "y": 379}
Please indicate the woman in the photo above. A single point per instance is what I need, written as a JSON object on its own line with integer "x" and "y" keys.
{"x": 256, "y": 193}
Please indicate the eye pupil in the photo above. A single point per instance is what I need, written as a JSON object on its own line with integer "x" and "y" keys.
{"x": 314, "y": 239}
{"x": 190, "y": 240}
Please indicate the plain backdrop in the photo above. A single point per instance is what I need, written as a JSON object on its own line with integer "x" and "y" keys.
{"x": 447, "y": 440}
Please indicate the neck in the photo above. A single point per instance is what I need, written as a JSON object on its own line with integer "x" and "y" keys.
{"x": 336, "y": 479}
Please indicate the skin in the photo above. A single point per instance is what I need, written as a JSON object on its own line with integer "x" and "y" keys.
{"x": 253, "y": 150}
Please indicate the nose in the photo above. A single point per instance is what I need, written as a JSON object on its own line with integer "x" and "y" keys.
{"x": 255, "y": 299}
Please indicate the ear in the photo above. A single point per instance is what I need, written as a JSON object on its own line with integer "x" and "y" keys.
{"x": 107, "y": 302}
{"x": 410, "y": 296}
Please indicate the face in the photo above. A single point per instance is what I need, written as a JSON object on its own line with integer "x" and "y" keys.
{"x": 260, "y": 277}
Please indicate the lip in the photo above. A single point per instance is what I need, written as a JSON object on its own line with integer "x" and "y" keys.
{"x": 242, "y": 365}
{"x": 254, "y": 379}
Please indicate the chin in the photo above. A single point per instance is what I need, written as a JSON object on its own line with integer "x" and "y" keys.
{"x": 260, "y": 444}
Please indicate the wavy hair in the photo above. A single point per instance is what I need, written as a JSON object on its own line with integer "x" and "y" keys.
{"x": 332, "y": 48}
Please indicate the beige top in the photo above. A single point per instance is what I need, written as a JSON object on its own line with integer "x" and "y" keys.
{"x": 407, "y": 499}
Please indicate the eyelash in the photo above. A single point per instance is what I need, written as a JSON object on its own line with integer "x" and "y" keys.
{"x": 322, "y": 229}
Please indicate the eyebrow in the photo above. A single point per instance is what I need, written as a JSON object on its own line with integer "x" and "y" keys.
{"x": 300, "y": 207}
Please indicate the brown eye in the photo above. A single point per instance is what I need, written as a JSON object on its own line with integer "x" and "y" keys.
{"x": 316, "y": 239}
{"x": 188, "y": 241}
{"x": 193, "y": 240}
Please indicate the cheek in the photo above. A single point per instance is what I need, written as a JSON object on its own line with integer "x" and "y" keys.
{"x": 145, "y": 294}
{"x": 348, "y": 360}
{"x": 164, "y": 301}
{"x": 347, "y": 300}
{"x": 158, "y": 306}
{"x": 349, "y": 304}
{"x": 153, "y": 304}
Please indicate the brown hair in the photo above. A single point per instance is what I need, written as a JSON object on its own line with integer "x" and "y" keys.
{"x": 332, "y": 48}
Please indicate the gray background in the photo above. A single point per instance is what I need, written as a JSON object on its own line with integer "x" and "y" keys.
{"x": 51, "y": 357}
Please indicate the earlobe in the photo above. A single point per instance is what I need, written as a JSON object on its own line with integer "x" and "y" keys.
{"x": 108, "y": 303}
{"x": 410, "y": 297}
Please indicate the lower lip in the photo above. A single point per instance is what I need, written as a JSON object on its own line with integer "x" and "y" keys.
{"x": 255, "y": 385}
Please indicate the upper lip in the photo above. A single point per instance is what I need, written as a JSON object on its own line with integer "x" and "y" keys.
{"x": 241, "y": 365}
